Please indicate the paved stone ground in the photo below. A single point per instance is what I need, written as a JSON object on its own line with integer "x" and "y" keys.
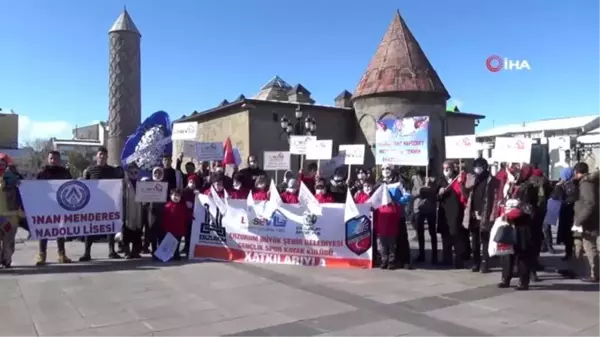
{"x": 105, "y": 298}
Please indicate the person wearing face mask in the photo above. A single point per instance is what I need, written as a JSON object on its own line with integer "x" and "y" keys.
{"x": 450, "y": 215}
{"x": 290, "y": 195}
{"x": 188, "y": 196}
{"x": 310, "y": 178}
{"x": 238, "y": 191}
{"x": 368, "y": 187}
{"x": 321, "y": 194}
{"x": 424, "y": 209}
{"x": 481, "y": 189}
{"x": 188, "y": 171}
{"x": 388, "y": 176}
{"x": 133, "y": 226}
{"x": 261, "y": 188}
{"x": 338, "y": 187}
{"x": 217, "y": 182}
{"x": 175, "y": 220}
{"x": 357, "y": 185}
{"x": 249, "y": 174}
{"x": 155, "y": 218}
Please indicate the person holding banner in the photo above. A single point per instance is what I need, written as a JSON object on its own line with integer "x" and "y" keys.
{"x": 368, "y": 187}
{"x": 338, "y": 187}
{"x": 249, "y": 174}
{"x": 133, "y": 225}
{"x": 217, "y": 183}
{"x": 321, "y": 193}
{"x": 53, "y": 171}
{"x": 98, "y": 171}
{"x": 424, "y": 207}
{"x": 175, "y": 220}
{"x": 385, "y": 219}
{"x": 481, "y": 189}
{"x": 261, "y": 189}
{"x": 357, "y": 186}
{"x": 9, "y": 211}
{"x": 238, "y": 191}
{"x": 309, "y": 179}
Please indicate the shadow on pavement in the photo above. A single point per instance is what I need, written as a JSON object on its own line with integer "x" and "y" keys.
{"x": 95, "y": 266}
{"x": 585, "y": 287}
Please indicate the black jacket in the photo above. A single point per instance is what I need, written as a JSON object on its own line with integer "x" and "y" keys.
{"x": 54, "y": 173}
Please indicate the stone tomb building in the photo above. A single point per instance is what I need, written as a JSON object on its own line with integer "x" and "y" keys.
{"x": 399, "y": 82}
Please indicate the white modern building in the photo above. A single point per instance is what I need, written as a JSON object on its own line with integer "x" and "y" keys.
{"x": 556, "y": 142}
{"x": 86, "y": 140}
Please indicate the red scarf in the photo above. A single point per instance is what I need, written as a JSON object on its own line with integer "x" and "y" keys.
{"x": 456, "y": 187}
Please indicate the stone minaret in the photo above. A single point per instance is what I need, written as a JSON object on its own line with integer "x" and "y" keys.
{"x": 400, "y": 82}
{"x": 124, "y": 85}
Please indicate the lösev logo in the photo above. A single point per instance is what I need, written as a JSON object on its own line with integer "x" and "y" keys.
{"x": 496, "y": 63}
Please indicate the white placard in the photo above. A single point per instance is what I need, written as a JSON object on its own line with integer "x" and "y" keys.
{"x": 69, "y": 208}
{"x": 319, "y": 149}
{"x": 298, "y": 144}
{"x": 461, "y": 147}
{"x": 512, "y": 150}
{"x": 184, "y": 131}
{"x": 151, "y": 191}
{"x": 352, "y": 154}
{"x": 189, "y": 148}
{"x": 207, "y": 151}
{"x": 167, "y": 247}
{"x": 276, "y": 161}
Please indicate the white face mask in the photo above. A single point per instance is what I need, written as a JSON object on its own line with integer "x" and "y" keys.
{"x": 448, "y": 173}
{"x": 320, "y": 191}
{"x": 191, "y": 185}
{"x": 218, "y": 188}
{"x": 478, "y": 170}
{"x": 386, "y": 173}
{"x": 361, "y": 176}
{"x": 237, "y": 186}
{"x": 291, "y": 190}
{"x": 367, "y": 189}
{"x": 261, "y": 186}
{"x": 219, "y": 169}
{"x": 252, "y": 164}
{"x": 175, "y": 198}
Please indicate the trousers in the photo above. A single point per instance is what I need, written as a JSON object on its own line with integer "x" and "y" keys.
{"x": 431, "y": 228}
{"x": 8, "y": 232}
{"x": 43, "y": 246}
{"x": 386, "y": 245}
{"x": 89, "y": 241}
{"x": 403, "y": 244}
{"x": 585, "y": 261}
{"x": 480, "y": 241}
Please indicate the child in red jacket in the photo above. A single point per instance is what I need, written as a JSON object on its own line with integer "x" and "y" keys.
{"x": 175, "y": 219}
{"x": 367, "y": 190}
{"x": 218, "y": 183}
{"x": 290, "y": 195}
{"x": 386, "y": 219}
{"x": 261, "y": 189}
{"x": 321, "y": 193}
{"x": 310, "y": 178}
{"x": 238, "y": 191}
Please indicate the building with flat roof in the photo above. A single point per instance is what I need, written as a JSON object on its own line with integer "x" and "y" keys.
{"x": 9, "y": 130}
{"x": 86, "y": 140}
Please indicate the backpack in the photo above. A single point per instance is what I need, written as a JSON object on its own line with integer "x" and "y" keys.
{"x": 571, "y": 192}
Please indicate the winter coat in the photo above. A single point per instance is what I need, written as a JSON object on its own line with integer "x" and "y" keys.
{"x": 259, "y": 195}
{"x": 175, "y": 218}
{"x": 586, "y": 207}
{"x": 188, "y": 196}
{"x": 361, "y": 197}
{"x": 242, "y": 193}
{"x": 248, "y": 176}
{"x": 54, "y": 173}
{"x": 131, "y": 208}
{"x": 308, "y": 181}
{"x": 424, "y": 194}
{"x": 338, "y": 193}
{"x": 451, "y": 208}
{"x": 567, "y": 193}
{"x": 289, "y": 197}
{"x": 386, "y": 219}
{"x": 488, "y": 215}
{"x": 324, "y": 198}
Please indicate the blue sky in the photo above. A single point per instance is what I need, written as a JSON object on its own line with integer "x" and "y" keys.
{"x": 54, "y": 60}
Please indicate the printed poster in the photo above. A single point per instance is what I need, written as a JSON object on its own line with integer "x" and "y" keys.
{"x": 185, "y": 131}
{"x": 276, "y": 161}
{"x": 67, "y": 208}
{"x": 461, "y": 147}
{"x": 512, "y": 150}
{"x": 298, "y": 144}
{"x": 402, "y": 141}
{"x": 352, "y": 154}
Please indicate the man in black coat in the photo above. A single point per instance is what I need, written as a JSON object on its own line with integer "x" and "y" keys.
{"x": 98, "y": 171}
{"x": 53, "y": 171}
{"x": 248, "y": 175}
{"x": 450, "y": 217}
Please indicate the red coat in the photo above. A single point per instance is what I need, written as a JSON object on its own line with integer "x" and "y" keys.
{"x": 386, "y": 219}
{"x": 308, "y": 181}
{"x": 175, "y": 218}
{"x": 361, "y": 197}
{"x": 289, "y": 197}
{"x": 242, "y": 193}
{"x": 260, "y": 195}
{"x": 324, "y": 198}
{"x": 220, "y": 194}
{"x": 188, "y": 196}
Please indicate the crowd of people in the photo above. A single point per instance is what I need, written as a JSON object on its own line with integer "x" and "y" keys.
{"x": 461, "y": 206}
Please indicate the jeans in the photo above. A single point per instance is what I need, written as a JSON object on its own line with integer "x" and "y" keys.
{"x": 386, "y": 245}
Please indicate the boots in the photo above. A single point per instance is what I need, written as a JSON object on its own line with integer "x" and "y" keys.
{"x": 40, "y": 259}
{"x": 63, "y": 258}
{"x": 548, "y": 240}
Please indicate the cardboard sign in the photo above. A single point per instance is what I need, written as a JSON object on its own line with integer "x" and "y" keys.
{"x": 184, "y": 131}
{"x": 276, "y": 160}
{"x": 352, "y": 154}
{"x": 207, "y": 151}
{"x": 151, "y": 191}
{"x": 319, "y": 149}
{"x": 189, "y": 148}
{"x": 512, "y": 150}
{"x": 298, "y": 144}
{"x": 461, "y": 147}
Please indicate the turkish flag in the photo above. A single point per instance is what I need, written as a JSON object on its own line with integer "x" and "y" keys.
{"x": 228, "y": 157}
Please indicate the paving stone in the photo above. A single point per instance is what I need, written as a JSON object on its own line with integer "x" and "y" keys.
{"x": 383, "y": 328}
{"x": 126, "y": 329}
{"x": 497, "y": 321}
{"x": 428, "y": 303}
{"x": 423, "y": 332}
{"x": 285, "y": 329}
{"x": 460, "y": 311}
{"x": 343, "y": 320}
{"x": 538, "y": 328}
{"x": 314, "y": 311}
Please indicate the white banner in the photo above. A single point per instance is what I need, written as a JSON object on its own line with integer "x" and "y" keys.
{"x": 298, "y": 144}
{"x": 151, "y": 191}
{"x": 512, "y": 150}
{"x": 276, "y": 161}
{"x": 461, "y": 147}
{"x": 66, "y": 208}
{"x": 290, "y": 235}
{"x": 352, "y": 154}
{"x": 319, "y": 149}
{"x": 207, "y": 151}
{"x": 184, "y": 131}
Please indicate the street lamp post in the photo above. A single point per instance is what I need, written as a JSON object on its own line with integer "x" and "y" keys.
{"x": 301, "y": 127}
